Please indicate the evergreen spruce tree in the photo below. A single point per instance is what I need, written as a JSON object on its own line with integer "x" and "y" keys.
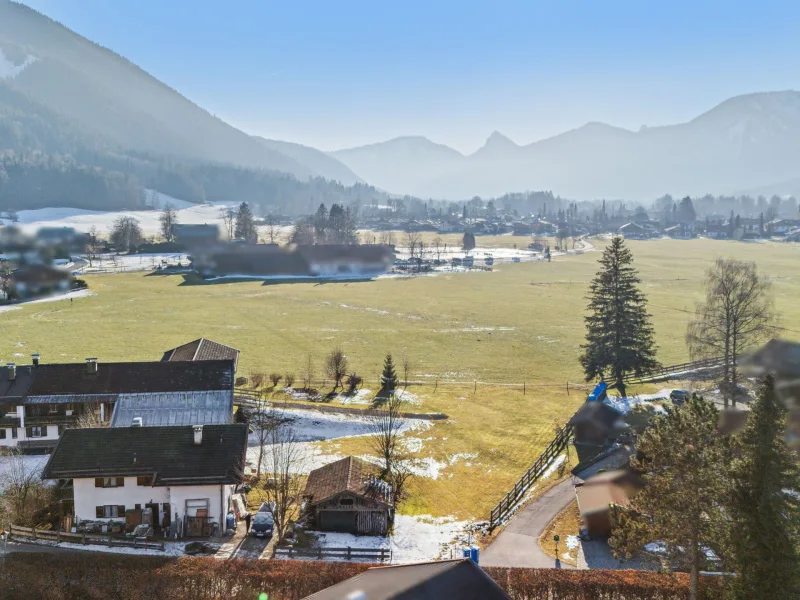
{"x": 685, "y": 461}
{"x": 245, "y": 224}
{"x": 388, "y": 376}
{"x": 765, "y": 516}
{"x": 619, "y": 336}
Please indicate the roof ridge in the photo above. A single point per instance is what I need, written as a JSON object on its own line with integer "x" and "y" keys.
{"x": 199, "y": 345}
{"x": 349, "y": 471}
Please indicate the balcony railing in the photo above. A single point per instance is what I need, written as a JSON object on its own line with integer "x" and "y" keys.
{"x": 52, "y": 419}
{"x": 9, "y": 421}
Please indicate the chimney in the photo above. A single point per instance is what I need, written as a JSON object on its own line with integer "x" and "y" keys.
{"x": 12, "y": 371}
{"x": 198, "y": 434}
{"x": 35, "y": 358}
{"x": 91, "y": 365}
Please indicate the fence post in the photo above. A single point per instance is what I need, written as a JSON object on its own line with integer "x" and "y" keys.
{"x": 523, "y": 388}
{"x": 58, "y": 536}
{"x": 348, "y": 553}
{"x": 475, "y": 391}
{"x": 568, "y": 388}
{"x": 34, "y": 532}
{"x": 84, "y": 538}
{"x": 319, "y": 554}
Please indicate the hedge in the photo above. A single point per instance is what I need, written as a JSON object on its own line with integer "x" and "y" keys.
{"x": 134, "y": 577}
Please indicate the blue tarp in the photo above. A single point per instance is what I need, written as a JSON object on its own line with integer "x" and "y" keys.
{"x": 598, "y": 393}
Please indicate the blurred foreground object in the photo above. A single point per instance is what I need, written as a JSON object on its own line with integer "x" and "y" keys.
{"x": 781, "y": 359}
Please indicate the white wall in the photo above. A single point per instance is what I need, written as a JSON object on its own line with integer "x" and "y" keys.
{"x": 88, "y": 497}
{"x": 50, "y": 431}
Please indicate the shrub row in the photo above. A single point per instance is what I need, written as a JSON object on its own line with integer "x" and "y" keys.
{"x": 133, "y": 577}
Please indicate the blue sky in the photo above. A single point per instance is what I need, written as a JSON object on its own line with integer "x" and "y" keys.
{"x": 338, "y": 73}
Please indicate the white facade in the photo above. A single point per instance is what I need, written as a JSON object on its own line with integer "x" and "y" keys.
{"x": 15, "y": 435}
{"x": 180, "y": 500}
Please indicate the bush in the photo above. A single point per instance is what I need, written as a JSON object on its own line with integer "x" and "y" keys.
{"x": 131, "y": 577}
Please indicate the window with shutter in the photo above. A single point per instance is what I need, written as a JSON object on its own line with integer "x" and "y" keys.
{"x": 121, "y": 511}
{"x": 120, "y": 482}
{"x": 98, "y": 482}
{"x": 2, "y": 434}
{"x": 99, "y": 512}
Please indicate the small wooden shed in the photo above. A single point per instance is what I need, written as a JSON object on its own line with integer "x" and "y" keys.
{"x": 347, "y": 497}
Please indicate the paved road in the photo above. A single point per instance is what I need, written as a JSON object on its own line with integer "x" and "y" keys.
{"x": 518, "y": 544}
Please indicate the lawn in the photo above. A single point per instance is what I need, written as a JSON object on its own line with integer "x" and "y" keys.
{"x": 520, "y": 323}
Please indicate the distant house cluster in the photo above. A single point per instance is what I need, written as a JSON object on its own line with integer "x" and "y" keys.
{"x": 271, "y": 260}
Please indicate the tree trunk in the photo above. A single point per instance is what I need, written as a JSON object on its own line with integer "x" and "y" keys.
{"x": 733, "y": 365}
{"x": 620, "y": 385}
{"x": 260, "y": 457}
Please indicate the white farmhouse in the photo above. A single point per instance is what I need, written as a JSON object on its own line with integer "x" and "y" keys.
{"x": 180, "y": 479}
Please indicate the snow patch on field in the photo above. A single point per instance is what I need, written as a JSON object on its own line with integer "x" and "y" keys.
{"x": 362, "y": 396}
{"x": 311, "y": 426}
{"x": 84, "y": 220}
{"x": 75, "y": 294}
{"x": 573, "y": 541}
{"x": 554, "y": 467}
{"x": 415, "y": 539}
{"x": 625, "y": 404}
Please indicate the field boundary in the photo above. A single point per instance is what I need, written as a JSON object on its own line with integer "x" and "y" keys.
{"x": 30, "y": 533}
{"x": 348, "y": 553}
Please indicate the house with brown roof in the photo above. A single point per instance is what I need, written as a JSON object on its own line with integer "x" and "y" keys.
{"x": 202, "y": 349}
{"x": 597, "y": 494}
{"x": 347, "y": 497}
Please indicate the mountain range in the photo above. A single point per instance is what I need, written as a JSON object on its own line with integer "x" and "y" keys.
{"x": 62, "y": 95}
{"x": 748, "y": 142}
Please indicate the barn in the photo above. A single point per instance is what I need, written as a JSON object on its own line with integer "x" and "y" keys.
{"x": 345, "y": 496}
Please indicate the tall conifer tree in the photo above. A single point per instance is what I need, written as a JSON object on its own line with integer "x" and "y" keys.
{"x": 619, "y": 336}
{"x": 765, "y": 508}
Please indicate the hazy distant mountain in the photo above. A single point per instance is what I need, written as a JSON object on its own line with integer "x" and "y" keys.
{"x": 109, "y": 96}
{"x": 743, "y": 143}
{"x": 399, "y": 164}
{"x": 320, "y": 163}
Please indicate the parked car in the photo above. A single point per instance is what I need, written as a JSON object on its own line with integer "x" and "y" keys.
{"x": 678, "y": 397}
{"x": 263, "y": 522}
{"x": 515, "y": 259}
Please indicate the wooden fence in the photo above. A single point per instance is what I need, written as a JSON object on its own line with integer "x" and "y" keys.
{"x": 538, "y": 468}
{"x": 371, "y": 554}
{"x": 29, "y": 533}
{"x": 670, "y": 371}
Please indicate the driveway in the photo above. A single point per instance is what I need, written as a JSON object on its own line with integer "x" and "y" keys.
{"x": 518, "y": 544}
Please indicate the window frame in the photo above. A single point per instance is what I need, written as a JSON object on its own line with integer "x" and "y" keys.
{"x": 109, "y": 482}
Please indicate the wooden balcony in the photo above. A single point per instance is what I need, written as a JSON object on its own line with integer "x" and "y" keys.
{"x": 52, "y": 419}
{"x": 9, "y": 421}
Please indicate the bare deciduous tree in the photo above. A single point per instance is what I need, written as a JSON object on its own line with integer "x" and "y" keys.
{"x": 308, "y": 374}
{"x": 398, "y": 476}
{"x": 24, "y": 493}
{"x": 275, "y": 379}
{"x": 257, "y": 380}
{"x": 272, "y": 229}
{"x": 288, "y": 379}
{"x": 168, "y": 220}
{"x": 262, "y": 422}
{"x": 228, "y": 216}
{"x": 738, "y": 313}
{"x": 89, "y": 418}
{"x": 408, "y": 370}
{"x": 438, "y": 247}
{"x": 386, "y": 423}
{"x": 92, "y": 244}
{"x": 412, "y": 240}
{"x": 284, "y": 487}
{"x": 336, "y": 366}
{"x": 388, "y": 238}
